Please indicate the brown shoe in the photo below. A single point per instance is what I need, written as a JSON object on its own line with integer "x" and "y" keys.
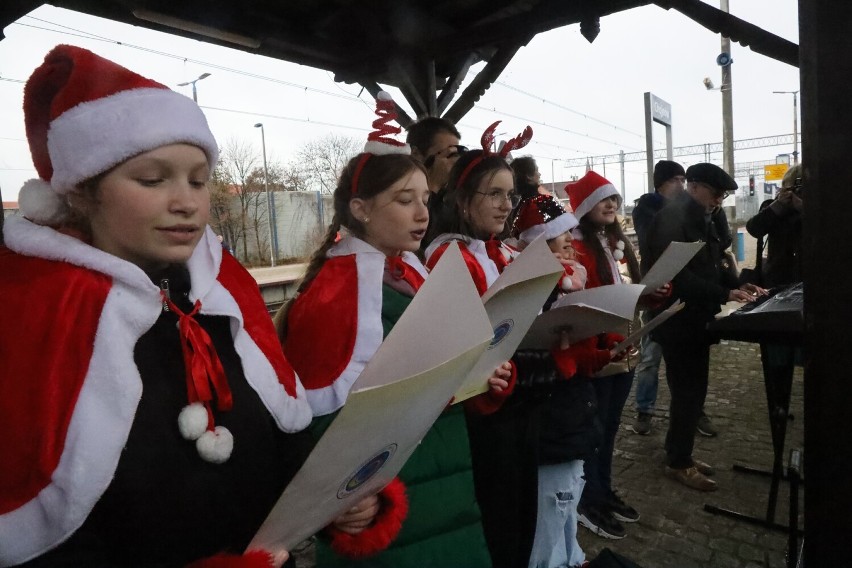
{"x": 703, "y": 468}
{"x": 691, "y": 477}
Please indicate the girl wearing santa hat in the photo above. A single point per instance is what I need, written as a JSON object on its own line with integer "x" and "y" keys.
{"x": 602, "y": 248}
{"x": 566, "y": 414}
{"x": 151, "y": 417}
{"x": 521, "y": 530}
{"x": 353, "y": 293}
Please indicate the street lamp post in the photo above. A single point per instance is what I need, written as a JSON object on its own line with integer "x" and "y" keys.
{"x": 727, "y": 106}
{"x": 795, "y": 123}
{"x": 270, "y": 202}
{"x": 193, "y": 82}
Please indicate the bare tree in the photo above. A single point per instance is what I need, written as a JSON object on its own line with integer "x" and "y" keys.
{"x": 291, "y": 177}
{"x": 322, "y": 160}
{"x": 221, "y": 218}
{"x": 238, "y": 160}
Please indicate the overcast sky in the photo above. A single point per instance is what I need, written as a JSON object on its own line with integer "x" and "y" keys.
{"x": 581, "y": 99}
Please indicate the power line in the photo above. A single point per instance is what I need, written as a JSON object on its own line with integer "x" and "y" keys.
{"x": 217, "y": 66}
{"x": 557, "y": 105}
{"x": 566, "y": 130}
{"x": 289, "y": 118}
{"x": 344, "y": 95}
{"x": 697, "y": 149}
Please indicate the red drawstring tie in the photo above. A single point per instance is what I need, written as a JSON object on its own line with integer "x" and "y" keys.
{"x": 493, "y": 248}
{"x": 203, "y": 371}
{"x": 201, "y": 361}
{"x": 401, "y": 271}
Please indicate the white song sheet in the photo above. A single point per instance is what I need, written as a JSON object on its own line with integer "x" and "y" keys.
{"x": 391, "y": 406}
{"x": 584, "y": 314}
{"x": 635, "y": 337}
{"x": 674, "y": 258}
{"x": 512, "y": 302}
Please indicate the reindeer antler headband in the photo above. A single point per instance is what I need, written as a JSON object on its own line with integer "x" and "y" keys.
{"x": 487, "y": 142}
{"x": 379, "y": 141}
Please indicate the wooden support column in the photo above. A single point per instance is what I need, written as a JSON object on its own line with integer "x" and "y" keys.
{"x": 826, "y": 64}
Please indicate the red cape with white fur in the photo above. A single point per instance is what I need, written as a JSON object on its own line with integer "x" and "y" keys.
{"x": 69, "y": 386}
{"x": 343, "y": 308}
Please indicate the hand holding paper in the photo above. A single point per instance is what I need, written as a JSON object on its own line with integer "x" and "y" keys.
{"x": 582, "y": 314}
{"x": 637, "y": 335}
{"x": 393, "y": 403}
{"x": 676, "y": 256}
{"x": 512, "y": 303}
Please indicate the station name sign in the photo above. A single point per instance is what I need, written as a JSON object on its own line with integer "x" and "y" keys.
{"x": 661, "y": 111}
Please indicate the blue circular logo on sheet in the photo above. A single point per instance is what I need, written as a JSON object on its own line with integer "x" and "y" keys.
{"x": 501, "y": 331}
{"x": 366, "y": 471}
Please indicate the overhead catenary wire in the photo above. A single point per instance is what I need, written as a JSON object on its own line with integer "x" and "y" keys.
{"x": 305, "y": 88}
{"x": 343, "y": 94}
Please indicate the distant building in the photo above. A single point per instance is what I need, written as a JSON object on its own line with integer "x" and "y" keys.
{"x": 10, "y": 208}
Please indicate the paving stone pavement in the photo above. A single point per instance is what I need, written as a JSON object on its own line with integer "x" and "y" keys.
{"x": 674, "y": 531}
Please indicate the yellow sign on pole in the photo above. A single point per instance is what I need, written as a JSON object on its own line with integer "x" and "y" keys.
{"x": 774, "y": 172}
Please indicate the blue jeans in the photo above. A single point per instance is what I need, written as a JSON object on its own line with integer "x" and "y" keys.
{"x": 648, "y": 374}
{"x": 559, "y": 490}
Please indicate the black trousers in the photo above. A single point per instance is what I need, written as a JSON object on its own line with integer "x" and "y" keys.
{"x": 612, "y": 393}
{"x": 687, "y": 356}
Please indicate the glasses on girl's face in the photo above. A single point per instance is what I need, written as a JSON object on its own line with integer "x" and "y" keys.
{"x": 499, "y": 197}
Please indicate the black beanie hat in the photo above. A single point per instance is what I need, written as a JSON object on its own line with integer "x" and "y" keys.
{"x": 666, "y": 170}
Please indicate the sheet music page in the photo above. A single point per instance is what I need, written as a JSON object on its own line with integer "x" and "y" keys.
{"x": 584, "y": 314}
{"x": 676, "y": 256}
{"x": 636, "y": 336}
{"x": 394, "y": 402}
{"x": 512, "y": 302}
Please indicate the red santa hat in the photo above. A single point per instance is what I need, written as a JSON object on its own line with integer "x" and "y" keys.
{"x": 588, "y": 191}
{"x": 85, "y": 114}
{"x": 542, "y": 215}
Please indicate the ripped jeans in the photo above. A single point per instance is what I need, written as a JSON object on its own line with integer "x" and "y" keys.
{"x": 559, "y": 490}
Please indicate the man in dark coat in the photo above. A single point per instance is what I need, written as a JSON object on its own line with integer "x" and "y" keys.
{"x": 695, "y": 215}
{"x": 669, "y": 181}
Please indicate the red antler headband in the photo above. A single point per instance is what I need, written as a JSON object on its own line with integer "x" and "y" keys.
{"x": 379, "y": 141}
{"x": 487, "y": 142}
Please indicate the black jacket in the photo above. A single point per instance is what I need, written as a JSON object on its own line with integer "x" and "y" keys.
{"x": 646, "y": 207}
{"x": 701, "y": 284}
{"x": 782, "y": 229}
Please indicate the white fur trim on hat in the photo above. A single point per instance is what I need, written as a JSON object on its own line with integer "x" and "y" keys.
{"x": 40, "y": 204}
{"x": 550, "y": 230}
{"x": 380, "y": 148}
{"x": 595, "y": 197}
{"x": 94, "y": 136}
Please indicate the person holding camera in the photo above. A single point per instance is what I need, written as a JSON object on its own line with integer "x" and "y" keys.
{"x": 779, "y": 222}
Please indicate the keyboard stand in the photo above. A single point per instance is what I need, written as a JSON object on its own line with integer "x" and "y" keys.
{"x": 778, "y": 360}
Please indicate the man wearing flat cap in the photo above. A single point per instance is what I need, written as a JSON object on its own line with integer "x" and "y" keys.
{"x": 695, "y": 215}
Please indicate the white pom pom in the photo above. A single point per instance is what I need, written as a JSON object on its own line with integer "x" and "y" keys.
{"x": 40, "y": 203}
{"x": 566, "y": 283}
{"x": 384, "y": 96}
{"x": 618, "y": 254}
{"x": 619, "y": 245}
{"x": 192, "y": 421}
{"x": 215, "y": 446}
